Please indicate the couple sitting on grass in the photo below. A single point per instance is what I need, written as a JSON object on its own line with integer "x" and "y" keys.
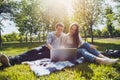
{"x": 54, "y": 40}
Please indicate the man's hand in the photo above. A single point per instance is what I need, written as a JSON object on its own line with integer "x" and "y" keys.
{"x": 49, "y": 46}
{"x": 92, "y": 47}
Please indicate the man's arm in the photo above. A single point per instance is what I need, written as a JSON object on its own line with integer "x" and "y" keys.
{"x": 49, "y": 46}
{"x": 49, "y": 41}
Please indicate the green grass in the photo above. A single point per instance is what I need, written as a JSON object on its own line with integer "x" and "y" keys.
{"x": 84, "y": 71}
{"x": 109, "y": 43}
{"x": 17, "y": 48}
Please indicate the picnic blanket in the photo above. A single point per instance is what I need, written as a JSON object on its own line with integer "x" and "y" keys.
{"x": 45, "y": 66}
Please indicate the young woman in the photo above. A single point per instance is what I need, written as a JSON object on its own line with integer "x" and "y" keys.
{"x": 89, "y": 52}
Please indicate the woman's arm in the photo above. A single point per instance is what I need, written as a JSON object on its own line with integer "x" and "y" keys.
{"x": 63, "y": 42}
{"x": 81, "y": 42}
{"x": 92, "y": 46}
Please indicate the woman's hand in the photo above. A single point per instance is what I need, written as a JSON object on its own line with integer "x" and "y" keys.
{"x": 92, "y": 47}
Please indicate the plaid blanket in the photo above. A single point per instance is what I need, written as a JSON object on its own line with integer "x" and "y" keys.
{"x": 45, "y": 66}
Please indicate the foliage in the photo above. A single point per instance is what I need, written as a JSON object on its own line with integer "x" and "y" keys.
{"x": 86, "y": 14}
{"x": 32, "y": 17}
{"x": 11, "y": 37}
{"x": 5, "y": 10}
{"x": 109, "y": 21}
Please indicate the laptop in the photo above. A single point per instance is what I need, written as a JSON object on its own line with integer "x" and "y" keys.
{"x": 63, "y": 54}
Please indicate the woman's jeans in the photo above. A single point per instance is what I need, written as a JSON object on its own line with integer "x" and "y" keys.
{"x": 88, "y": 53}
{"x": 31, "y": 55}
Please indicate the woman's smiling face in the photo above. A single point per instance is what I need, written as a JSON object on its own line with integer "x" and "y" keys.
{"x": 73, "y": 30}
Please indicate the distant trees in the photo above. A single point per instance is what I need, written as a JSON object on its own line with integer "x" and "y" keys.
{"x": 89, "y": 13}
{"x": 104, "y": 33}
{"x": 109, "y": 21}
{"x": 86, "y": 13}
{"x": 5, "y": 12}
{"x": 11, "y": 37}
{"x": 117, "y": 32}
{"x": 27, "y": 17}
{"x": 16, "y": 37}
{"x": 33, "y": 17}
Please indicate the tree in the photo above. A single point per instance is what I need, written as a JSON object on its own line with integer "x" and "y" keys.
{"x": 110, "y": 18}
{"x": 117, "y": 15}
{"x": 11, "y": 37}
{"x": 5, "y": 13}
{"x": 50, "y": 15}
{"x": 87, "y": 13}
{"x": 55, "y": 12}
{"x": 97, "y": 33}
{"x": 105, "y": 32}
{"x": 117, "y": 32}
{"x": 28, "y": 18}
{"x": 4, "y": 38}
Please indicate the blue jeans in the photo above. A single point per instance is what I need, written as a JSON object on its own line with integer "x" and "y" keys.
{"x": 88, "y": 53}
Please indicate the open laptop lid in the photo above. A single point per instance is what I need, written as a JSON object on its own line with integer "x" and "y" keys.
{"x": 63, "y": 54}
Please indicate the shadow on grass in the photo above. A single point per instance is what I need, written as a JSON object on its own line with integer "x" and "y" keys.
{"x": 3, "y": 77}
{"x": 100, "y": 46}
{"x": 117, "y": 66}
{"x": 87, "y": 72}
{"x": 104, "y": 46}
{"x": 20, "y": 45}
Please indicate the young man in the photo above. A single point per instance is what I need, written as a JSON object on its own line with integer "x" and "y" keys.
{"x": 53, "y": 41}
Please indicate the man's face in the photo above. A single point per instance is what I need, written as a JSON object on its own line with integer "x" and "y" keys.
{"x": 59, "y": 29}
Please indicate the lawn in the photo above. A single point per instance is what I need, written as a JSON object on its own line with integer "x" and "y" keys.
{"x": 84, "y": 71}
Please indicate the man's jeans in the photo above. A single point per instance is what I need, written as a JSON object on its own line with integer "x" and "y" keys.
{"x": 88, "y": 53}
{"x": 34, "y": 54}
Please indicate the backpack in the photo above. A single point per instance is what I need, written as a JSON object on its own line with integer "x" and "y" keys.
{"x": 112, "y": 53}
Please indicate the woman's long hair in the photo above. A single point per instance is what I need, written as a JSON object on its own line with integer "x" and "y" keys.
{"x": 76, "y": 35}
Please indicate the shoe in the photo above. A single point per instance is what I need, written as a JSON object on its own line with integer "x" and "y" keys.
{"x": 109, "y": 61}
{"x": 115, "y": 60}
{"x": 4, "y": 60}
{"x": 26, "y": 63}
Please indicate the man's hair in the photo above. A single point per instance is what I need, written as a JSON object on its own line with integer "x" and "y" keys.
{"x": 59, "y": 24}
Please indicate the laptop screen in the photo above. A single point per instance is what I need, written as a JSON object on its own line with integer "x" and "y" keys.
{"x": 63, "y": 54}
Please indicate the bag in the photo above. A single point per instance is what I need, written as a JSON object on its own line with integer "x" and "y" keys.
{"x": 112, "y": 53}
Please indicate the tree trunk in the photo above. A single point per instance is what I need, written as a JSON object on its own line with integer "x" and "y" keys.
{"x": 39, "y": 37}
{"x": 43, "y": 35}
{"x": 0, "y": 38}
{"x": 26, "y": 37}
{"x": 20, "y": 39}
{"x": 91, "y": 30}
{"x": 85, "y": 34}
{"x": 31, "y": 37}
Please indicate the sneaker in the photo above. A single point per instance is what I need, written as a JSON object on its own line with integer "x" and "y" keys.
{"x": 4, "y": 60}
{"x": 108, "y": 61}
{"x": 115, "y": 60}
{"x": 26, "y": 63}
